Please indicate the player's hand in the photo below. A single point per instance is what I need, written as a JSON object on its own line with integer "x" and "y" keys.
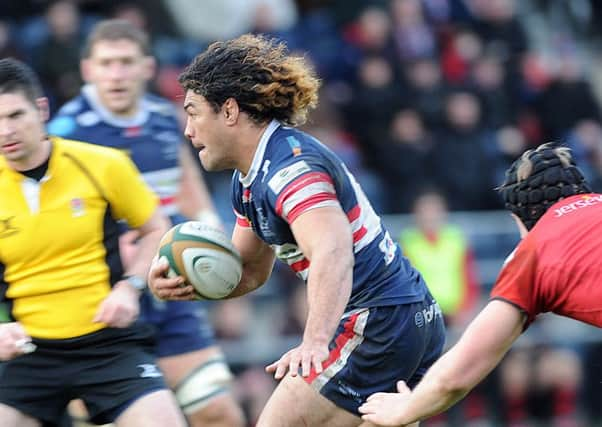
{"x": 14, "y": 341}
{"x": 385, "y": 409}
{"x": 121, "y": 308}
{"x": 168, "y": 288}
{"x": 308, "y": 356}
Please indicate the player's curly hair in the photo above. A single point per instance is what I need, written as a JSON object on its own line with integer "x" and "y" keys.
{"x": 266, "y": 81}
{"x": 538, "y": 179}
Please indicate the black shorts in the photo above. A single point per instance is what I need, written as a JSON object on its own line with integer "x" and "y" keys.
{"x": 108, "y": 369}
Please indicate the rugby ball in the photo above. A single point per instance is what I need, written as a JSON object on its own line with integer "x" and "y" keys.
{"x": 204, "y": 256}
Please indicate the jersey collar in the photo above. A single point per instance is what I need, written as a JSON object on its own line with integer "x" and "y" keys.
{"x": 55, "y": 152}
{"x": 247, "y": 180}
{"x": 91, "y": 94}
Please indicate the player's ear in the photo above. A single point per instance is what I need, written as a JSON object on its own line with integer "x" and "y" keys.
{"x": 43, "y": 108}
{"x": 150, "y": 67}
{"x": 85, "y": 70}
{"x": 231, "y": 111}
{"x": 522, "y": 229}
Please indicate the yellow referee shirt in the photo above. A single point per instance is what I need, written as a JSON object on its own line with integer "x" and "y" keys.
{"x": 59, "y": 252}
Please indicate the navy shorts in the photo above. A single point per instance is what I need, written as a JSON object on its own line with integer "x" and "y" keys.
{"x": 108, "y": 369}
{"x": 180, "y": 326}
{"x": 375, "y": 347}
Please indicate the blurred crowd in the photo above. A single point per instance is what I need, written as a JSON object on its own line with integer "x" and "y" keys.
{"x": 416, "y": 93}
{"x": 419, "y": 97}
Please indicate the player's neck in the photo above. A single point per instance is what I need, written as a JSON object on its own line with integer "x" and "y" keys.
{"x": 248, "y": 142}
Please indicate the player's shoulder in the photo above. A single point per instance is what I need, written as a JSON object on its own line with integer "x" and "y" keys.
{"x": 65, "y": 120}
{"x": 293, "y": 153}
{"x": 88, "y": 153}
{"x": 158, "y": 105}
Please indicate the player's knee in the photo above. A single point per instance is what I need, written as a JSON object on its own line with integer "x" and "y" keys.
{"x": 204, "y": 395}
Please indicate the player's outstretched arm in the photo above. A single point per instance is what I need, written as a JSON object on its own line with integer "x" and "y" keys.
{"x": 325, "y": 238}
{"x": 479, "y": 350}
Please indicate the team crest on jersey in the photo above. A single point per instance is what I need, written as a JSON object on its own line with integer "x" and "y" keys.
{"x": 287, "y": 174}
{"x": 7, "y": 228}
{"x": 77, "y": 207}
{"x": 294, "y": 144}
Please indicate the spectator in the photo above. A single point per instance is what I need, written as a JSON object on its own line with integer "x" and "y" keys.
{"x": 57, "y": 58}
{"x": 567, "y": 100}
{"x": 441, "y": 252}
{"x": 461, "y": 163}
{"x": 404, "y": 159}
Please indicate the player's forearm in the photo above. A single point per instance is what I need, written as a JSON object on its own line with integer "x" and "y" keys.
{"x": 458, "y": 371}
{"x": 250, "y": 280}
{"x": 328, "y": 290}
{"x": 148, "y": 242}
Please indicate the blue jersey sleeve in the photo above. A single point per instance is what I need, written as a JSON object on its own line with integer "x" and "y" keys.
{"x": 62, "y": 125}
{"x": 299, "y": 185}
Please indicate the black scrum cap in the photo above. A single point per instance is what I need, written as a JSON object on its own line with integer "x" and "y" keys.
{"x": 550, "y": 180}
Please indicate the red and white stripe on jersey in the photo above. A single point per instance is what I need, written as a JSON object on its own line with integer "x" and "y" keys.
{"x": 166, "y": 183}
{"x": 242, "y": 220}
{"x": 292, "y": 255}
{"x": 365, "y": 224}
{"x": 309, "y": 191}
{"x": 347, "y": 341}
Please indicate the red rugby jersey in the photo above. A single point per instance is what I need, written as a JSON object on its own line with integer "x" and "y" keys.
{"x": 557, "y": 267}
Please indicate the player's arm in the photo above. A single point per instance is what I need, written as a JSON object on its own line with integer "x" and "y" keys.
{"x": 194, "y": 199}
{"x": 325, "y": 238}
{"x": 479, "y": 350}
{"x": 149, "y": 236}
{"x": 133, "y": 201}
{"x": 257, "y": 260}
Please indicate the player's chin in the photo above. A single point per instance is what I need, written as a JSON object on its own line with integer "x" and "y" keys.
{"x": 210, "y": 164}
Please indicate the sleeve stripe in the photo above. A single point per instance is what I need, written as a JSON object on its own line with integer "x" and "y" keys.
{"x": 354, "y": 213}
{"x": 303, "y": 194}
{"x": 357, "y": 236}
{"x": 300, "y": 265}
{"x": 242, "y": 220}
{"x": 318, "y": 201}
{"x": 301, "y": 183}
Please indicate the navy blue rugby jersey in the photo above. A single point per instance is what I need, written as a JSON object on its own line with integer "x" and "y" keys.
{"x": 152, "y": 138}
{"x": 291, "y": 173}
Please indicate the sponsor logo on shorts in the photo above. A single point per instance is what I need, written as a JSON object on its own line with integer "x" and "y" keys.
{"x": 346, "y": 390}
{"x": 150, "y": 370}
{"x": 427, "y": 315}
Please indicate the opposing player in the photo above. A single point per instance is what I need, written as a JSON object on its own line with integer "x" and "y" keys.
{"x": 371, "y": 318}
{"x": 556, "y": 267}
{"x": 113, "y": 109}
{"x": 73, "y": 307}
